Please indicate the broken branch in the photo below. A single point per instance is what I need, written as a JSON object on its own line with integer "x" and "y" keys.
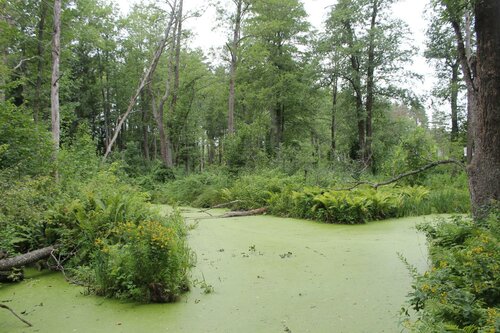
{"x": 3, "y": 306}
{"x": 403, "y": 175}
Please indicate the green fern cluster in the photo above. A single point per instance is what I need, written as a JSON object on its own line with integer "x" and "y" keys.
{"x": 357, "y": 206}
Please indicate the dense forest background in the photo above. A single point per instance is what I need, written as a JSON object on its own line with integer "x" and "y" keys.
{"x": 102, "y": 114}
{"x": 281, "y": 94}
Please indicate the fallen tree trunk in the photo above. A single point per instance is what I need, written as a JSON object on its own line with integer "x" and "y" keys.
{"x": 27, "y": 258}
{"x": 257, "y": 211}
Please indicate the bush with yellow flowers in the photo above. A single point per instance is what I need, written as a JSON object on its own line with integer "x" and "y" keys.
{"x": 146, "y": 261}
{"x": 461, "y": 291}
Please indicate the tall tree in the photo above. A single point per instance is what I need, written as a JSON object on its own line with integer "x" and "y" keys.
{"x": 242, "y": 7}
{"x": 373, "y": 47}
{"x": 442, "y": 52}
{"x": 54, "y": 96}
{"x": 484, "y": 170}
{"x": 144, "y": 81}
{"x": 38, "y": 106}
{"x": 279, "y": 27}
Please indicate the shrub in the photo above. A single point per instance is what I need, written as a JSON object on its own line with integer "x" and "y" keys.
{"x": 256, "y": 190}
{"x": 119, "y": 246}
{"x": 148, "y": 261}
{"x": 24, "y": 213}
{"x": 460, "y": 292}
{"x": 202, "y": 190}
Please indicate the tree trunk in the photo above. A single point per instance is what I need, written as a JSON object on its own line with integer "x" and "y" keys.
{"x": 471, "y": 101}
{"x": 175, "y": 92}
{"x": 234, "y": 66}
{"x": 38, "y": 105}
{"x": 454, "y": 101}
{"x": 370, "y": 86}
{"x": 484, "y": 170}
{"x": 54, "y": 94}
{"x": 24, "y": 259}
{"x": 333, "y": 125}
{"x": 355, "y": 81}
{"x": 145, "y": 128}
{"x": 165, "y": 149}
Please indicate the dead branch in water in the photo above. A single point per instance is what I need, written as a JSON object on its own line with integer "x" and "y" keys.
{"x": 3, "y": 306}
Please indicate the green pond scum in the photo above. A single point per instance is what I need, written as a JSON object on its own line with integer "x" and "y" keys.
{"x": 253, "y": 274}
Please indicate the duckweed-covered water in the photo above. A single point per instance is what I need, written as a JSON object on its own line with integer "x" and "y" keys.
{"x": 268, "y": 274}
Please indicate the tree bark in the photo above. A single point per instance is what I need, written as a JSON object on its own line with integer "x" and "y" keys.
{"x": 175, "y": 91}
{"x": 454, "y": 84}
{"x": 145, "y": 129}
{"x": 54, "y": 95}
{"x": 158, "y": 113}
{"x": 355, "y": 80}
{"x": 38, "y": 105}
{"x": 401, "y": 176}
{"x": 484, "y": 170}
{"x": 370, "y": 86}
{"x": 234, "y": 65}
{"x": 471, "y": 100}
{"x": 333, "y": 125}
{"x": 27, "y": 258}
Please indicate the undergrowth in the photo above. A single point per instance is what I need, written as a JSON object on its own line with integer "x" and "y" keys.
{"x": 461, "y": 290}
{"x": 301, "y": 197}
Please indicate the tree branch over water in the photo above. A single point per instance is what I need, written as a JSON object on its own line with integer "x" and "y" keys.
{"x": 403, "y": 175}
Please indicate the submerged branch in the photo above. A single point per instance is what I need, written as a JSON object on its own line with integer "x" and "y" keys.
{"x": 3, "y": 306}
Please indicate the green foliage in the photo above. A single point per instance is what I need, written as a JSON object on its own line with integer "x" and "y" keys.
{"x": 255, "y": 190}
{"x": 25, "y": 148}
{"x": 415, "y": 150}
{"x": 199, "y": 190}
{"x": 100, "y": 205}
{"x": 24, "y": 218}
{"x": 358, "y": 206}
{"x": 148, "y": 261}
{"x": 119, "y": 246}
{"x": 460, "y": 293}
{"x": 77, "y": 160}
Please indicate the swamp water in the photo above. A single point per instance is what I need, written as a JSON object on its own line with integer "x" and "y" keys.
{"x": 269, "y": 274}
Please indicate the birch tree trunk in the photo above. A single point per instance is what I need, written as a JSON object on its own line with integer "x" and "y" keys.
{"x": 54, "y": 92}
{"x": 38, "y": 107}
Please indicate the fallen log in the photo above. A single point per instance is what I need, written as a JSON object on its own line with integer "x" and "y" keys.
{"x": 27, "y": 258}
{"x": 237, "y": 213}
